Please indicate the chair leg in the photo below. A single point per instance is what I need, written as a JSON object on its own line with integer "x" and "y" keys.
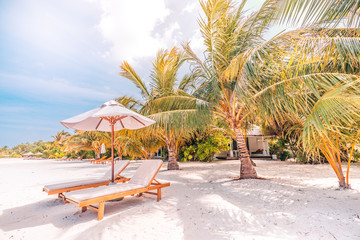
{"x": 101, "y": 209}
{"x": 60, "y": 195}
{"x": 159, "y": 194}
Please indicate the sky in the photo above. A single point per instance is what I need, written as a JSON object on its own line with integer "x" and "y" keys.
{"x": 61, "y": 58}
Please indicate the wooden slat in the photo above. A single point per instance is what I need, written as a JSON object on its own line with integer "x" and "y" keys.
{"x": 62, "y": 190}
{"x": 97, "y": 160}
{"x": 152, "y": 193}
{"x": 121, "y": 194}
{"x": 153, "y": 185}
{"x": 152, "y": 179}
{"x": 93, "y": 208}
{"x": 101, "y": 210}
{"x": 69, "y": 189}
{"x": 101, "y": 203}
{"x": 118, "y": 179}
{"x": 122, "y": 180}
{"x": 71, "y": 201}
{"x": 158, "y": 194}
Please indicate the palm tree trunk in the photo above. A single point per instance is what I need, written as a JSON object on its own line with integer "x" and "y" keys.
{"x": 247, "y": 171}
{"x": 172, "y": 163}
{"x": 97, "y": 154}
{"x": 335, "y": 163}
{"x": 341, "y": 178}
{"x": 119, "y": 153}
{"x": 342, "y": 182}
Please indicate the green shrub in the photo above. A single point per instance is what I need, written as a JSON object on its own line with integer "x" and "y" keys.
{"x": 356, "y": 156}
{"x": 276, "y": 145}
{"x": 205, "y": 149}
{"x": 301, "y": 158}
{"x": 284, "y": 155}
{"x": 188, "y": 153}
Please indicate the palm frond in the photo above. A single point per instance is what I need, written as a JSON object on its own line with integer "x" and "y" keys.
{"x": 165, "y": 68}
{"x": 320, "y": 12}
{"x": 128, "y": 72}
{"x": 130, "y": 102}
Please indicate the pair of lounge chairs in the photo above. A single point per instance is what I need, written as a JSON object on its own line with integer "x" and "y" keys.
{"x": 60, "y": 188}
{"x": 86, "y": 193}
{"x": 100, "y": 160}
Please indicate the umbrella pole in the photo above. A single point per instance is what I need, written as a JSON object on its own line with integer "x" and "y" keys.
{"x": 112, "y": 152}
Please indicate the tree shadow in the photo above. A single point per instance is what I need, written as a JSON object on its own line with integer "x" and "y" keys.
{"x": 59, "y": 214}
{"x": 204, "y": 204}
{"x": 225, "y": 208}
{"x": 27, "y": 216}
{"x": 53, "y": 210}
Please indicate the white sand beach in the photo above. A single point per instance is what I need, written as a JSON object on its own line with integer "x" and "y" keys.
{"x": 203, "y": 202}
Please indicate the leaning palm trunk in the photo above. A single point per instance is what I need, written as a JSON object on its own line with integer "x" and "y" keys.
{"x": 173, "y": 164}
{"x": 97, "y": 154}
{"x": 332, "y": 155}
{"x": 247, "y": 171}
{"x": 120, "y": 153}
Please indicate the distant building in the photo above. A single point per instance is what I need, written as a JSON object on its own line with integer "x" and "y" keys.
{"x": 256, "y": 143}
{"x": 158, "y": 154}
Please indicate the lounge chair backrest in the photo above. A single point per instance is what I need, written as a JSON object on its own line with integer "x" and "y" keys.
{"x": 118, "y": 167}
{"x": 146, "y": 172}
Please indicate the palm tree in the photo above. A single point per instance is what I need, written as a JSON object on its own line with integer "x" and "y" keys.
{"x": 60, "y": 138}
{"x": 175, "y": 111}
{"x": 123, "y": 140}
{"x": 314, "y": 84}
{"x": 59, "y": 144}
{"x": 324, "y": 13}
{"x": 88, "y": 141}
{"x": 294, "y": 77}
{"x": 231, "y": 38}
{"x": 121, "y": 143}
{"x": 144, "y": 144}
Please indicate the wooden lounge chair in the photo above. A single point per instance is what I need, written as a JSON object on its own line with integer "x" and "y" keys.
{"x": 96, "y": 160}
{"x": 143, "y": 181}
{"x": 60, "y": 188}
{"x": 103, "y": 161}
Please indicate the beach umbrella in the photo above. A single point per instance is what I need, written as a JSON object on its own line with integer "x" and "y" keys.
{"x": 28, "y": 154}
{"x": 109, "y": 117}
{"x": 38, "y": 153}
{"x": 103, "y": 149}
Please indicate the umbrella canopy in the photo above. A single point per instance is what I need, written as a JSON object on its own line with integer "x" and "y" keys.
{"x": 103, "y": 149}
{"x": 94, "y": 119}
{"x": 38, "y": 153}
{"x": 109, "y": 117}
{"x": 28, "y": 154}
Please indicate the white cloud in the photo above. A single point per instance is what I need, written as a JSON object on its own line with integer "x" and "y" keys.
{"x": 128, "y": 25}
{"x": 171, "y": 30}
{"x": 197, "y": 43}
{"x": 191, "y": 7}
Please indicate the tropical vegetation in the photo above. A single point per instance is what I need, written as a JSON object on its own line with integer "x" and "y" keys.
{"x": 176, "y": 112}
{"x": 301, "y": 85}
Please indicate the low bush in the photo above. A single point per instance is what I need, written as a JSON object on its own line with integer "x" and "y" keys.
{"x": 205, "y": 149}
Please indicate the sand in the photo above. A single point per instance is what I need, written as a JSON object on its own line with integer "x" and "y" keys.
{"x": 293, "y": 202}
